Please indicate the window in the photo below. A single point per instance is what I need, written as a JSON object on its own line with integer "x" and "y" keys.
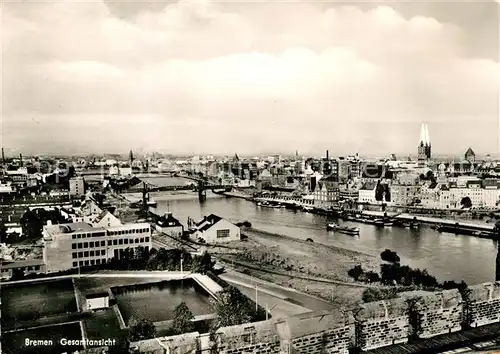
{"x": 147, "y": 239}
{"x": 75, "y": 264}
{"x": 142, "y": 239}
{"x": 74, "y": 254}
{"x": 126, "y": 241}
{"x": 136, "y": 240}
{"x": 78, "y": 236}
{"x": 222, "y": 233}
{"x": 73, "y": 246}
{"x": 86, "y": 253}
{"x": 120, "y": 241}
{"x": 97, "y": 261}
{"x": 103, "y": 243}
{"x": 80, "y": 254}
{"x": 92, "y": 244}
{"x": 81, "y": 263}
{"x": 37, "y": 267}
{"x": 87, "y": 262}
{"x": 85, "y": 245}
{"x": 103, "y": 252}
{"x": 73, "y": 236}
{"x": 91, "y": 253}
{"x": 115, "y": 242}
{"x": 92, "y": 262}
{"x": 110, "y": 242}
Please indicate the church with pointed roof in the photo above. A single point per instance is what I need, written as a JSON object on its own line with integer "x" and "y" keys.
{"x": 470, "y": 155}
{"x": 424, "y": 147}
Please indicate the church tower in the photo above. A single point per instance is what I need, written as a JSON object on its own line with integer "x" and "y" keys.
{"x": 424, "y": 147}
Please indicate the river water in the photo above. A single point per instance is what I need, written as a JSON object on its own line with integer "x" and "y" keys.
{"x": 446, "y": 256}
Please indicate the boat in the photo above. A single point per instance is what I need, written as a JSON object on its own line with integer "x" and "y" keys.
{"x": 415, "y": 225}
{"x": 379, "y": 222}
{"x": 482, "y": 234}
{"x": 307, "y": 209}
{"x": 343, "y": 229}
{"x": 268, "y": 205}
{"x": 152, "y": 203}
{"x": 388, "y": 223}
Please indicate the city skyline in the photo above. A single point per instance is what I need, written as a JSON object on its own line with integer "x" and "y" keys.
{"x": 219, "y": 77}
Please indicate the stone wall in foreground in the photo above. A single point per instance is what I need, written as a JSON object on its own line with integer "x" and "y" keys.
{"x": 374, "y": 325}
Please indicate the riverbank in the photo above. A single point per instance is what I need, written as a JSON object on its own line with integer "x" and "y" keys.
{"x": 313, "y": 268}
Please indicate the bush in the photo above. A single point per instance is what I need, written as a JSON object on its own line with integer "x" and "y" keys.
{"x": 372, "y": 277}
{"x": 371, "y": 295}
{"x": 390, "y": 256}
{"x": 356, "y": 272}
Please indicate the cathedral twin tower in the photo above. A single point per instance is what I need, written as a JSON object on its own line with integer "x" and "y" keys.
{"x": 424, "y": 147}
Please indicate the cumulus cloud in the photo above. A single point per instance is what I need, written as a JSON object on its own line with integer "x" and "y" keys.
{"x": 207, "y": 76}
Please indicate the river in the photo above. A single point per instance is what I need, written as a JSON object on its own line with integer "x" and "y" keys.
{"x": 446, "y": 256}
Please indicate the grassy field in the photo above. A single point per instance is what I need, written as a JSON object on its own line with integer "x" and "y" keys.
{"x": 28, "y": 302}
{"x": 14, "y": 343}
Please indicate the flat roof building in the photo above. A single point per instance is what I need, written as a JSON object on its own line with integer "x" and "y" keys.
{"x": 80, "y": 244}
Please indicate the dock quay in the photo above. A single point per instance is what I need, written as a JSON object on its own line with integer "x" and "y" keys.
{"x": 429, "y": 220}
{"x": 477, "y": 229}
{"x": 483, "y": 230}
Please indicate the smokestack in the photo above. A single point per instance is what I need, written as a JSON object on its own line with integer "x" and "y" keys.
{"x": 327, "y": 154}
{"x": 21, "y": 158}
{"x": 3, "y": 157}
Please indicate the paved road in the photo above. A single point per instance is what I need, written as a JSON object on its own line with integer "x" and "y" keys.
{"x": 285, "y": 301}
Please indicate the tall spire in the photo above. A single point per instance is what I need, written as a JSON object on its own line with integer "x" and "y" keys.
{"x": 427, "y": 138}
{"x": 422, "y": 134}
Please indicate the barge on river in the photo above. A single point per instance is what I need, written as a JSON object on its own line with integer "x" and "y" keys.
{"x": 349, "y": 230}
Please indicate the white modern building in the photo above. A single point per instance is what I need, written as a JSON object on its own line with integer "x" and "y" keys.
{"x": 80, "y": 244}
{"x": 214, "y": 229}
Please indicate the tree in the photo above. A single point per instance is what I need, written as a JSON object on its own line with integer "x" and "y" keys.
{"x": 389, "y": 256}
{"x": 203, "y": 264}
{"x": 232, "y": 308}
{"x": 182, "y": 322}
{"x": 466, "y": 202}
{"x": 379, "y": 192}
{"x": 356, "y": 272}
{"x": 141, "y": 330}
{"x": 3, "y": 232}
{"x": 31, "y": 225}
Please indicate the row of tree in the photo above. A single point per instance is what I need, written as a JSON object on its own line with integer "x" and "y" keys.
{"x": 232, "y": 308}
{"x": 142, "y": 259}
{"x": 393, "y": 273}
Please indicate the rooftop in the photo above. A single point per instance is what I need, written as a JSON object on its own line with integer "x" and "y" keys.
{"x": 70, "y": 228}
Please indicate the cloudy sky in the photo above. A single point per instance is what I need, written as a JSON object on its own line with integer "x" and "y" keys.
{"x": 249, "y": 76}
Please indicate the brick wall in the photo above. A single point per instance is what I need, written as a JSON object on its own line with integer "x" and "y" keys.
{"x": 382, "y": 323}
{"x": 484, "y": 304}
{"x": 332, "y": 341}
{"x": 374, "y": 325}
{"x": 251, "y": 338}
{"x": 439, "y": 313}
